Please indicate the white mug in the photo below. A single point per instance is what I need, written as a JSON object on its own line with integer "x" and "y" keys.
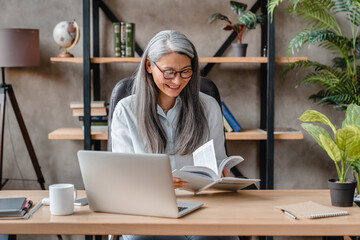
{"x": 62, "y": 197}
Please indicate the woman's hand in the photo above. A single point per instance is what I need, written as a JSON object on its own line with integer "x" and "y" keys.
{"x": 178, "y": 183}
{"x": 225, "y": 173}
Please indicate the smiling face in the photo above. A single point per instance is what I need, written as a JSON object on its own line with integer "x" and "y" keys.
{"x": 170, "y": 88}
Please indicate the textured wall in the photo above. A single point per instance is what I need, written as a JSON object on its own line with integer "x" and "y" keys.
{"x": 44, "y": 92}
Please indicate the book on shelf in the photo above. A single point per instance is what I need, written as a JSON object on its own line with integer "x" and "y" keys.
{"x": 14, "y": 207}
{"x": 97, "y": 128}
{"x": 227, "y": 126}
{"x": 124, "y": 39}
{"x": 93, "y": 104}
{"x": 311, "y": 210}
{"x": 95, "y": 118}
{"x": 230, "y": 118}
{"x": 117, "y": 39}
{"x": 207, "y": 174}
{"x": 130, "y": 39}
{"x": 93, "y": 111}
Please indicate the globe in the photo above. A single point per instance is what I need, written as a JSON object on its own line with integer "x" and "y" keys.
{"x": 66, "y": 34}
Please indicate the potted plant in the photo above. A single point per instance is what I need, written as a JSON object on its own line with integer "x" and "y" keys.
{"x": 339, "y": 82}
{"x": 343, "y": 148}
{"x": 247, "y": 20}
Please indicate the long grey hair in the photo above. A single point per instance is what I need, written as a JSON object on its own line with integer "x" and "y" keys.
{"x": 191, "y": 127}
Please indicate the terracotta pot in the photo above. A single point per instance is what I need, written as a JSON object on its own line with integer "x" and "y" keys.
{"x": 342, "y": 194}
{"x": 239, "y": 49}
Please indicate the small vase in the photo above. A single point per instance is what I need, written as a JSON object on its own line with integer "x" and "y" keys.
{"x": 239, "y": 49}
{"x": 342, "y": 194}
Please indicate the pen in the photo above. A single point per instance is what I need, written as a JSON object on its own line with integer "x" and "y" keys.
{"x": 27, "y": 206}
{"x": 34, "y": 209}
{"x": 289, "y": 214}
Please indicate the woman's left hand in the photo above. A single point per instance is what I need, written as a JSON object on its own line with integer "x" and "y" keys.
{"x": 225, "y": 173}
{"x": 178, "y": 183}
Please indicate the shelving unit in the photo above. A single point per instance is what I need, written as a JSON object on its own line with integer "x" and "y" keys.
{"x": 102, "y": 60}
{"x": 245, "y": 134}
{"x": 91, "y": 74}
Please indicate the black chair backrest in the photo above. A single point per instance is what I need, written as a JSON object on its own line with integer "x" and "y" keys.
{"x": 123, "y": 89}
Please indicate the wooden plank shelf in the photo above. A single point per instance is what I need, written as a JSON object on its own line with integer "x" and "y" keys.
{"x": 101, "y": 60}
{"x": 245, "y": 134}
{"x": 77, "y": 134}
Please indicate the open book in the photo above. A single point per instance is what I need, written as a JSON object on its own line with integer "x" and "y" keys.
{"x": 206, "y": 174}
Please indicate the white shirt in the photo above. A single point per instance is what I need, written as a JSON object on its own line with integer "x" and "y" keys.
{"x": 125, "y": 135}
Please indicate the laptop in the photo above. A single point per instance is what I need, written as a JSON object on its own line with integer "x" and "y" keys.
{"x": 139, "y": 184}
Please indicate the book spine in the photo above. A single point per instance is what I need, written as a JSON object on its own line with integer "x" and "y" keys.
{"x": 95, "y": 118}
{"x": 227, "y": 126}
{"x": 122, "y": 39}
{"x": 116, "y": 27}
{"x": 130, "y": 39}
{"x": 230, "y": 118}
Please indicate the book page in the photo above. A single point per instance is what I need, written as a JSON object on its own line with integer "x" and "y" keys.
{"x": 205, "y": 156}
{"x": 229, "y": 162}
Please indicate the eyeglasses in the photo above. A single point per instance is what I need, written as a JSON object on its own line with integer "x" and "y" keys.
{"x": 170, "y": 74}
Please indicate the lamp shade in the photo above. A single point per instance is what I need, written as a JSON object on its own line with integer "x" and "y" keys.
{"x": 19, "y": 47}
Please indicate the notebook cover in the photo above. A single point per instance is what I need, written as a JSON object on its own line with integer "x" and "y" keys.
{"x": 11, "y": 205}
{"x": 312, "y": 210}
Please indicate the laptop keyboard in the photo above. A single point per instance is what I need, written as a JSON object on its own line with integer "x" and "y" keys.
{"x": 182, "y": 208}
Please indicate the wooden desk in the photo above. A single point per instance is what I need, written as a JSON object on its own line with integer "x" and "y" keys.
{"x": 249, "y": 212}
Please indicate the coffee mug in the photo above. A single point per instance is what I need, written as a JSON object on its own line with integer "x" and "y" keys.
{"x": 62, "y": 197}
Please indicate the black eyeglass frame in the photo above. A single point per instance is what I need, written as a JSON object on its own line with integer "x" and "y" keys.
{"x": 174, "y": 73}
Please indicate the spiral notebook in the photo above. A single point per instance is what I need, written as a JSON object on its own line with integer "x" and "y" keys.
{"x": 312, "y": 210}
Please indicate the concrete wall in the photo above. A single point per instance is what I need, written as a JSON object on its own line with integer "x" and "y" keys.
{"x": 44, "y": 92}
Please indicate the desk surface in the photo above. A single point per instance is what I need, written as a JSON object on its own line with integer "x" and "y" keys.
{"x": 247, "y": 213}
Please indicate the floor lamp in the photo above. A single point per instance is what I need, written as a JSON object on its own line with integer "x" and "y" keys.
{"x": 18, "y": 48}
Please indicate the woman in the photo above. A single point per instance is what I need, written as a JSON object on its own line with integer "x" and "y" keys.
{"x": 167, "y": 113}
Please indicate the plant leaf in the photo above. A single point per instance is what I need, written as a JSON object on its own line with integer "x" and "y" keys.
{"x": 354, "y": 154}
{"x": 356, "y": 165}
{"x": 249, "y": 20}
{"x": 315, "y": 116}
{"x": 331, "y": 148}
{"x": 228, "y": 27}
{"x": 352, "y": 116}
{"x": 347, "y": 138}
{"x": 237, "y": 7}
{"x": 218, "y": 16}
{"x": 271, "y": 7}
{"x": 315, "y": 132}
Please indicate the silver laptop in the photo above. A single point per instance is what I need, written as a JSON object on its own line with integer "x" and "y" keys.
{"x": 139, "y": 184}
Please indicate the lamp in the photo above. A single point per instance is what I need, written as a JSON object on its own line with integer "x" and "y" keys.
{"x": 18, "y": 48}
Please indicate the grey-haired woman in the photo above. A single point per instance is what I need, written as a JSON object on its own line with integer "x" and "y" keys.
{"x": 167, "y": 113}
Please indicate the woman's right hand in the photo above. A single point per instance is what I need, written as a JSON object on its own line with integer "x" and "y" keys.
{"x": 178, "y": 183}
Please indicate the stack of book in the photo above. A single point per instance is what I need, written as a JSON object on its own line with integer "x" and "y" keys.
{"x": 124, "y": 39}
{"x": 98, "y": 112}
{"x": 14, "y": 208}
{"x": 230, "y": 123}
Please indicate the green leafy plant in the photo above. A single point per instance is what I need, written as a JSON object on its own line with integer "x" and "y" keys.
{"x": 247, "y": 20}
{"x": 339, "y": 82}
{"x": 344, "y": 146}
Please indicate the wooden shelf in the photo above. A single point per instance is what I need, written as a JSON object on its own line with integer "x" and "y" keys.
{"x": 77, "y": 134}
{"x": 101, "y": 60}
{"x": 245, "y": 134}
{"x": 259, "y": 134}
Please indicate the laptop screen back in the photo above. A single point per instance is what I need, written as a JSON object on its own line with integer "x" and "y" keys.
{"x": 139, "y": 184}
